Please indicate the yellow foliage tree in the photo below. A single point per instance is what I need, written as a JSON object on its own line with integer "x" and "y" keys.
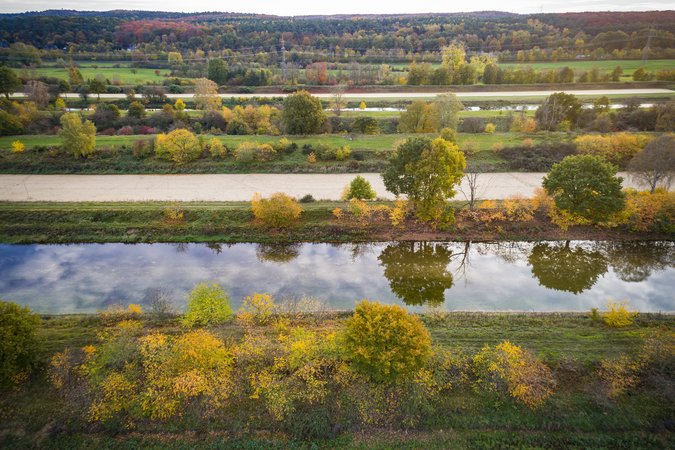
{"x": 279, "y": 211}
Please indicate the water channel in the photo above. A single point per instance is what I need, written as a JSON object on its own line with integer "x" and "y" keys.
{"x": 505, "y": 276}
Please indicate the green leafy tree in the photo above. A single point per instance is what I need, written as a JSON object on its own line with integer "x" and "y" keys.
{"x": 9, "y": 81}
{"x": 97, "y": 87}
{"x": 19, "y": 345}
{"x": 136, "y": 109}
{"x": 217, "y": 71}
{"x": 303, "y": 114}
{"x": 427, "y": 172}
{"x": 78, "y": 137}
{"x": 587, "y": 186}
{"x": 446, "y": 109}
{"x": 385, "y": 342}
{"x": 418, "y": 272}
{"x": 207, "y": 305}
{"x": 556, "y": 109}
{"x": 418, "y": 117}
{"x": 359, "y": 188}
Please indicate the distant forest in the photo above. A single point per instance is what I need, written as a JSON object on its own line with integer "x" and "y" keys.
{"x": 142, "y": 35}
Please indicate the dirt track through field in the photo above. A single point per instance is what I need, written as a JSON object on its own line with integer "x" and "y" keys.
{"x": 226, "y": 187}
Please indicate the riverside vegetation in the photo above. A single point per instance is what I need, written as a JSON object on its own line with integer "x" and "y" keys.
{"x": 289, "y": 373}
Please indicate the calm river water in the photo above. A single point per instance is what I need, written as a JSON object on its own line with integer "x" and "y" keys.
{"x": 544, "y": 276}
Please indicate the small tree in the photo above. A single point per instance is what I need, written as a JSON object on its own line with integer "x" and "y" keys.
{"x": 136, "y": 109}
{"x": 78, "y": 137}
{"x": 303, "y": 113}
{"x": 206, "y": 95}
{"x": 655, "y": 164}
{"x": 427, "y": 172}
{"x": 37, "y": 92}
{"x": 180, "y": 146}
{"x": 19, "y": 345}
{"x": 587, "y": 186}
{"x": 207, "y": 305}
{"x": 359, "y": 188}
{"x": 384, "y": 342}
{"x": 446, "y": 109}
{"x": 279, "y": 211}
{"x": 9, "y": 81}
{"x": 556, "y": 109}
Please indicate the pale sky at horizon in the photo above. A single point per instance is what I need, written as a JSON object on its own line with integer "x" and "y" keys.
{"x": 297, "y": 7}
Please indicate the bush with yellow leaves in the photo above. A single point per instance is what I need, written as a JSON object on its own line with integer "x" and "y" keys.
{"x": 618, "y": 315}
{"x": 399, "y": 212}
{"x": 518, "y": 209}
{"x": 507, "y": 368}
{"x": 257, "y": 309}
{"x": 116, "y": 313}
{"x": 278, "y": 211}
{"x": 619, "y": 374}
{"x": 207, "y": 305}
{"x": 385, "y": 342}
{"x": 127, "y": 377}
{"x": 18, "y": 147}
{"x": 650, "y": 212}
{"x": 174, "y": 213}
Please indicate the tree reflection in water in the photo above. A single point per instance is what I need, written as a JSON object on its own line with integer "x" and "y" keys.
{"x": 278, "y": 252}
{"x": 418, "y": 271}
{"x": 634, "y": 261}
{"x": 564, "y": 268}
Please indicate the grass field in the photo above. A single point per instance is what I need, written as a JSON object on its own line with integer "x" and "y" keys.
{"x": 578, "y": 415}
{"x": 369, "y": 154}
{"x": 124, "y": 75}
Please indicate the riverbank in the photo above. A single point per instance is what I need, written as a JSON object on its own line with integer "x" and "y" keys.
{"x": 225, "y": 222}
{"x": 578, "y": 414}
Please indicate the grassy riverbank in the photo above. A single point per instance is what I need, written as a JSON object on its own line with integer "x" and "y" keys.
{"x": 233, "y": 222}
{"x": 578, "y": 415}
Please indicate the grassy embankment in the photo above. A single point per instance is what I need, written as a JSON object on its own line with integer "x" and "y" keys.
{"x": 578, "y": 415}
{"x": 233, "y": 222}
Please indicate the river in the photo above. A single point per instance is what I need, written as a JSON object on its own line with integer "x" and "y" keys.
{"x": 507, "y": 276}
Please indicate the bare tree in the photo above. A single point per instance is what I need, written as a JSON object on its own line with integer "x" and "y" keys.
{"x": 473, "y": 186}
{"x": 337, "y": 101}
{"x": 161, "y": 303}
{"x": 37, "y": 92}
{"x": 655, "y": 164}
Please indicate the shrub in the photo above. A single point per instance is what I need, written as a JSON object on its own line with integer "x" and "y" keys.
{"x": 338, "y": 213}
{"x": 18, "y": 147}
{"x": 509, "y": 368}
{"x": 536, "y": 158}
{"x": 617, "y": 148}
{"x": 257, "y": 309}
{"x": 342, "y": 153}
{"x": 118, "y": 313}
{"x": 311, "y": 158}
{"x": 359, "y": 188}
{"x": 179, "y": 146}
{"x": 618, "y": 316}
{"x": 359, "y": 210}
{"x": 490, "y": 128}
{"x": 174, "y": 213}
{"x": 307, "y": 198}
{"x": 398, "y": 213}
{"x": 472, "y": 125}
{"x": 469, "y": 147}
{"x": 19, "y": 345}
{"x": 619, "y": 374}
{"x": 279, "y": 211}
{"x": 142, "y": 148}
{"x": 125, "y": 131}
{"x": 449, "y": 135}
{"x": 518, "y": 209}
{"x": 650, "y": 212}
{"x": 248, "y": 152}
{"x": 384, "y": 342}
{"x": 216, "y": 148}
{"x": 207, "y": 305}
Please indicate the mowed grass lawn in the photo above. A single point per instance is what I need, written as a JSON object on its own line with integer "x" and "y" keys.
{"x": 484, "y": 141}
{"x": 125, "y": 75}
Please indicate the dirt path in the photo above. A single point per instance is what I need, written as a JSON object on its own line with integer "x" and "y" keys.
{"x": 225, "y": 187}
